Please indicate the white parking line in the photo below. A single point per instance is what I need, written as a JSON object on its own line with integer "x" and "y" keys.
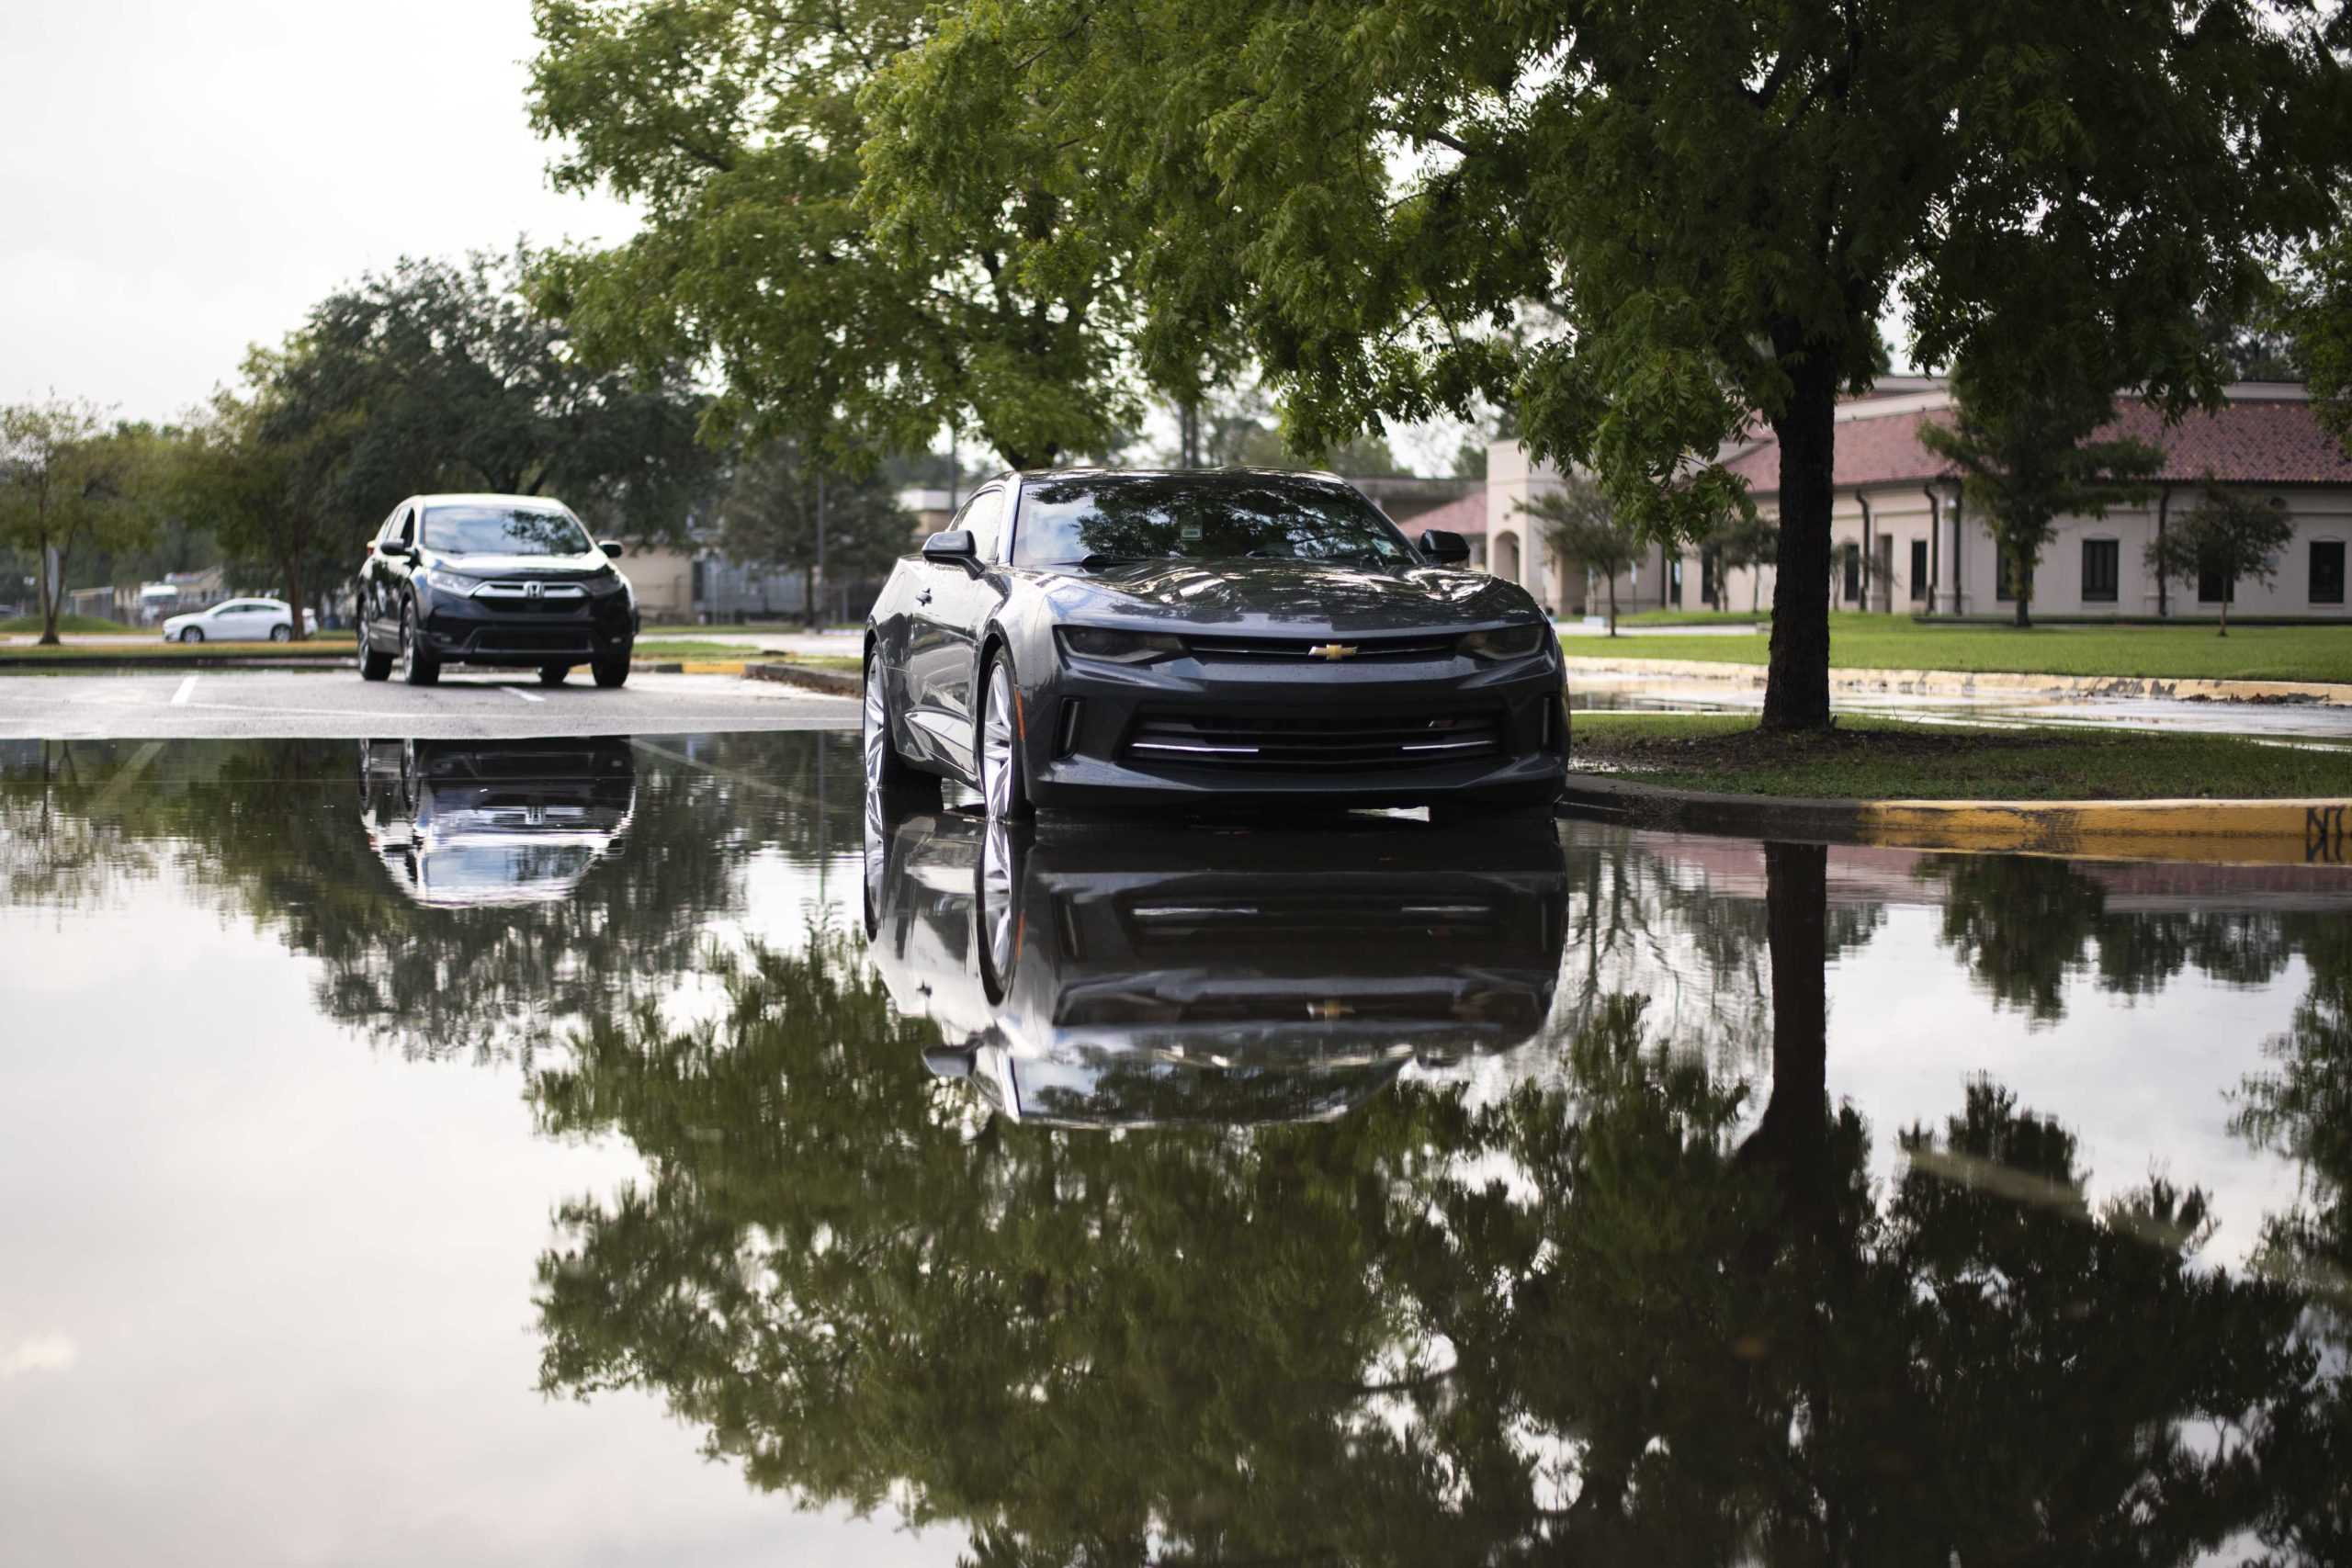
{"x": 519, "y": 692}
{"x": 180, "y": 698}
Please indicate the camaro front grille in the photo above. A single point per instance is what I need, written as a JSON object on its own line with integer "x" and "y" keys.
{"x": 1274, "y": 742}
{"x": 1321, "y": 651}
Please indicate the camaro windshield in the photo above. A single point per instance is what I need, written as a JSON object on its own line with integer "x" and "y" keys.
{"x": 502, "y": 531}
{"x": 1201, "y": 517}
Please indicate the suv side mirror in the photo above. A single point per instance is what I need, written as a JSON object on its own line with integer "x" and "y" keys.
{"x": 613, "y": 547}
{"x": 952, "y": 546}
{"x": 393, "y": 549}
{"x": 1444, "y": 547}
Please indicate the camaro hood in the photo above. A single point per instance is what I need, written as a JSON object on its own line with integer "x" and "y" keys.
{"x": 1227, "y": 596}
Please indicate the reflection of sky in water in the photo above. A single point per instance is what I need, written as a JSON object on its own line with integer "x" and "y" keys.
{"x": 271, "y": 1290}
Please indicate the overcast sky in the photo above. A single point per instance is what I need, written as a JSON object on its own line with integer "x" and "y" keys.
{"x": 182, "y": 180}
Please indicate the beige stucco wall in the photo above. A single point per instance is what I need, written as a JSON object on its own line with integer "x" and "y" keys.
{"x": 664, "y": 581}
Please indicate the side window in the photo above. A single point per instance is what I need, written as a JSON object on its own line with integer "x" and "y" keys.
{"x": 405, "y": 529}
{"x": 984, "y": 516}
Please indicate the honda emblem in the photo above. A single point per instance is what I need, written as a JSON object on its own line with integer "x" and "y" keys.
{"x": 535, "y": 590}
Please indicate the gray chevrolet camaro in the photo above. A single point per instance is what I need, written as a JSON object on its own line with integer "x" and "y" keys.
{"x": 1092, "y": 637}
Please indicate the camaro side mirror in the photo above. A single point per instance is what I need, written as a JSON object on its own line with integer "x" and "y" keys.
{"x": 613, "y": 547}
{"x": 1444, "y": 547}
{"x": 952, "y": 545}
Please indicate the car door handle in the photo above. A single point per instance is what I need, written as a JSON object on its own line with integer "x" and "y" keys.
{"x": 923, "y": 597}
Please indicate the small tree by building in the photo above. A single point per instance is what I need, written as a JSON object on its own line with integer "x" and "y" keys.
{"x": 1578, "y": 524}
{"x": 2228, "y": 536}
{"x": 1746, "y": 543}
{"x": 781, "y": 509}
{"x": 2022, "y": 442}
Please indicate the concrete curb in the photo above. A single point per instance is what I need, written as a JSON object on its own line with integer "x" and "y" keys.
{"x": 2301, "y": 832}
{"x": 835, "y": 683}
{"x": 1973, "y": 684}
{"x": 99, "y": 661}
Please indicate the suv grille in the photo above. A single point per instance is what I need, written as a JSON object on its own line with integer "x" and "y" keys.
{"x": 557, "y": 598}
{"x": 1273, "y": 743}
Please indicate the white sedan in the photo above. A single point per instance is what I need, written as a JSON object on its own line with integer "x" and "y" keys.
{"x": 238, "y": 620}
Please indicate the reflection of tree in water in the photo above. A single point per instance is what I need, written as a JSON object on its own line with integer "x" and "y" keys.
{"x": 273, "y": 827}
{"x": 2024, "y": 925}
{"x": 2302, "y": 1108}
{"x": 1583, "y": 1320}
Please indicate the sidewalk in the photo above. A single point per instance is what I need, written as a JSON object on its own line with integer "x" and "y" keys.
{"x": 1982, "y": 683}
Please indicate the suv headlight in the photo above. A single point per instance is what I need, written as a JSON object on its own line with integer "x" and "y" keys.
{"x": 1117, "y": 646}
{"x": 446, "y": 581}
{"x": 1504, "y": 642}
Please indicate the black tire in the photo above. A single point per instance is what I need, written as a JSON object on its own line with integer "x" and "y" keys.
{"x": 553, "y": 674}
{"x": 611, "y": 673}
{"x": 191, "y": 634}
{"x": 373, "y": 666}
{"x": 418, "y": 668}
{"x": 281, "y": 634}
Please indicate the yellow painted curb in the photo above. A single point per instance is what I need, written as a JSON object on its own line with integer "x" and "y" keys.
{"x": 711, "y": 666}
{"x": 2301, "y": 832}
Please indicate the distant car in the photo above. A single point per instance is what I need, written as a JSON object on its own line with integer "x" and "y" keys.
{"x": 238, "y": 620}
{"x": 1089, "y": 637}
{"x": 512, "y": 581}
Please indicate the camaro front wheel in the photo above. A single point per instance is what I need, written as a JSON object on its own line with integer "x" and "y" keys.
{"x": 1004, "y": 784}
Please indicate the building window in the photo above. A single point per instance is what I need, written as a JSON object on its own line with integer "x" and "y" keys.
{"x": 2213, "y": 588}
{"x": 1853, "y": 556}
{"x": 1919, "y": 571}
{"x": 2103, "y": 570}
{"x": 2327, "y": 572}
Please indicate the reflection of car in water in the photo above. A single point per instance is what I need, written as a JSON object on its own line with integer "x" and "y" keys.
{"x": 1121, "y": 974}
{"x": 472, "y": 824}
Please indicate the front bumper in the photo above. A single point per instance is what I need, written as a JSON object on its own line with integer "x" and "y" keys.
{"x": 1201, "y": 733}
{"x": 465, "y": 631}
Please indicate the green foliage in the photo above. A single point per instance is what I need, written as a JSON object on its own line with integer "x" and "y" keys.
{"x": 440, "y": 376}
{"x": 1647, "y": 226}
{"x": 1580, "y": 523}
{"x": 253, "y": 475}
{"x": 2230, "y": 535}
{"x": 2022, "y": 440}
{"x": 2318, "y": 314}
{"x": 991, "y": 297}
{"x": 1745, "y": 541}
{"x": 71, "y": 480}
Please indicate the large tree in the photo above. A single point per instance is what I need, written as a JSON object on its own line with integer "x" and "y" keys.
{"x": 441, "y": 375}
{"x": 261, "y": 482}
{"x": 70, "y": 479}
{"x": 2024, "y": 444}
{"x": 1716, "y": 200}
{"x": 994, "y": 304}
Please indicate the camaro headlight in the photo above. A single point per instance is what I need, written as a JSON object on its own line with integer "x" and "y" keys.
{"x": 1117, "y": 646}
{"x": 1504, "y": 642}
{"x": 450, "y": 582}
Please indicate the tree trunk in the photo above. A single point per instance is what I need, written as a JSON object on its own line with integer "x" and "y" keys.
{"x": 52, "y": 589}
{"x": 2227, "y": 589}
{"x": 292, "y": 565}
{"x": 1796, "y": 690}
{"x": 1613, "y": 605}
{"x": 1794, "y": 1135}
{"x": 808, "y": 596}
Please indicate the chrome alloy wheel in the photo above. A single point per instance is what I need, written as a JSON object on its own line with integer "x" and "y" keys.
{"x": 408, "y": 647}
{"x": 996, "y": 745}
{"x": 873, "y": 724}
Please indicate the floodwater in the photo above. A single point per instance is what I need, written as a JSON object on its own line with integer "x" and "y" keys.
{"x": 660, "y": 1153}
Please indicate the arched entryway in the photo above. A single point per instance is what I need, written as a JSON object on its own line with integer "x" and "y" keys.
{"x": 1506, "y": 557}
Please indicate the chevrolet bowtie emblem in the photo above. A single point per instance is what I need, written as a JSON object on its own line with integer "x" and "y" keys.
{"x": 1331, "y": 650}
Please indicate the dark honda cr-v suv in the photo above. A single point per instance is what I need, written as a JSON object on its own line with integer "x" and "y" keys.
{"x": 511, "y": 580}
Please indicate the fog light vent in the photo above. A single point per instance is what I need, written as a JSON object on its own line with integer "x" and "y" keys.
{"x": 1066, "y": 732}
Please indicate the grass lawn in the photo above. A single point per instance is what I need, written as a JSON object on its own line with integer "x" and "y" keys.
{"x": 1885, "y": 759}
{"x": 1892, "y": 642}
{"x": 690, "y": 648}
{"x": 1690, "y": 617}
{"x": 30, "y": 625}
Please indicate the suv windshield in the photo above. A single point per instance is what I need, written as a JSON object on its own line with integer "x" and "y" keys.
{"x": 504, "y": 531}
{"x": 1202, "y": 517}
